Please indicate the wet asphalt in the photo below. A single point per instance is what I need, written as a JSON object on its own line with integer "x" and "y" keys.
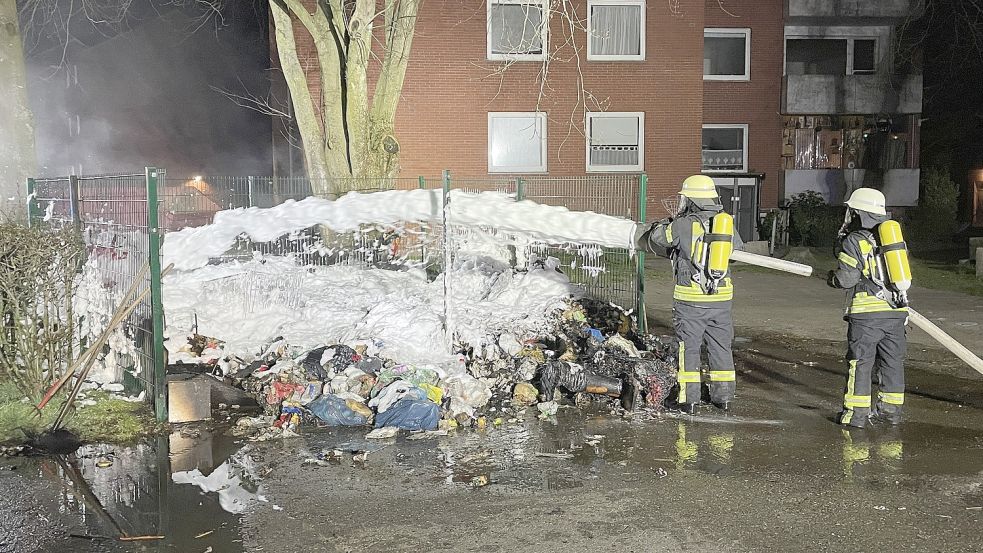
{"x": 775, "y": 473}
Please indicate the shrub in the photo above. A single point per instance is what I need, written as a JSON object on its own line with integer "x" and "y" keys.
{"x": 812, "y": 221}
{"x": 38, "y": 268}
{"x": 934, "y": 220}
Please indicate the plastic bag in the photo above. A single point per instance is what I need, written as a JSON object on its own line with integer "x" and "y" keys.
{"x": 336, "y": 411}
{"x": 410, "y": 414}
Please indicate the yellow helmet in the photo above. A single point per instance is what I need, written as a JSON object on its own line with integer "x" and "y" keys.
{"x": 869, "y": 200}
{"x": 698, "y": 186}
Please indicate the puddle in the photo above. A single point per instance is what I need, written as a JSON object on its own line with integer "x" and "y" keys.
{"x": 152, "y": 489}
{"x": 196, "y": 488}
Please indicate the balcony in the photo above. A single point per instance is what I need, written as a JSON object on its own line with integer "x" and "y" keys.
{"x": 854, "y": 8}
{"x": 900, "y": 186}
{"x": 851, "y": 94}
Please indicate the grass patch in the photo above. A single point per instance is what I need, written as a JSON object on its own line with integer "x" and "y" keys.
{"x": 933, "y": 270}
{"x": 109, "y": 420}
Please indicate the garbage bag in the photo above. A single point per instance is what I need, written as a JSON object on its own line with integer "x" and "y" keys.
{"x": 312, "y": 364}
{"x": 410, "y": 414}
{"x": 336, "y": 411}
{"x": 394, "y": 392}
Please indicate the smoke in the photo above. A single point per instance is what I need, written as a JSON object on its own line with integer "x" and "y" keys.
{"x": 143, "y": 93}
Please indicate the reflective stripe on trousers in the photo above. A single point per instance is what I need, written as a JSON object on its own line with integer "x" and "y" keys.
{"x": 874, "y": 342}
{"x": 711, "y": 325}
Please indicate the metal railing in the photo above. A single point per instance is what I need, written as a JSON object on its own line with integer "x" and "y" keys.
{"x": 610, "y": 274}
{"x": 117, "y": 217}
{"x": 122, "y": 219}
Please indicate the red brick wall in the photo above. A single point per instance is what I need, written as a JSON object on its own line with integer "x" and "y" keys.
{"x": 757, "y": 102}
{"x": 450, "y": 87}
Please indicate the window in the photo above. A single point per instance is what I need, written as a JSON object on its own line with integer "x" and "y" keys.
{"x": 615, "y": 30}
{"x": 864, "y": 56}
{"x": 517, "y": 29}
{"x": 727, "y": 54}
{"x": 517, "y": 142}
{"x": 830, "y": 56}
{"x": 724, "y": 147}
{"x": 615, "y": 141}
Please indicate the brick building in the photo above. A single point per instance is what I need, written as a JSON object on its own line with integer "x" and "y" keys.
{"x": 665, "y": 88}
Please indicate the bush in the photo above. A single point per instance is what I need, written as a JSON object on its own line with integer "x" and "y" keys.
{"x": 38, "y": 268}
{"x": 812, "y": 221}
{"x": 934, "y": 220}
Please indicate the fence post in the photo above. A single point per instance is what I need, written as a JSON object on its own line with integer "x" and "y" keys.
{"x": 520, "y": 189}
{"x": 448, "y": 331}
{"x": 640, "y": 314}
{"x": 250, "y": 184}
{"x": 156, "y": 301}
{"x": 74, "y": 196}
{"x": 33, "y": 212}
{"x": 422, "y": 182}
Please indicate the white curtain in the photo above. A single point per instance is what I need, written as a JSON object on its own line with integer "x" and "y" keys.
{"x": 516, "y": 28}
{"x": 517, "y": 142}
{"x": 615, "y": 30}
{"x": 614, "y": 141}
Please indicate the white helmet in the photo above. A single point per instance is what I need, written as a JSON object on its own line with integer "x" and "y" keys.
{"x": 869, "y": 200}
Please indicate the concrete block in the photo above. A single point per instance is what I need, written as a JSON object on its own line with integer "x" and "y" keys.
{"x": 975, "y": 243}
{"x": 189, "y": 400}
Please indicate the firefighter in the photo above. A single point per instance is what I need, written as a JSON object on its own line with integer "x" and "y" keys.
{"x": 873, "y": 266}
{"x": 699, "y": 240}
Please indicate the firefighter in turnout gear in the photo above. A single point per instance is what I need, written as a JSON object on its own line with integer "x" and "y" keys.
{"x": 873, "y": 266}
{"x": 699, "y": 239}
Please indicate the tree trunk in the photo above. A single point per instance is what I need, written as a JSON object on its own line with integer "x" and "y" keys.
{"x": 18, "y": 158}
{"x": 348, "y": 135}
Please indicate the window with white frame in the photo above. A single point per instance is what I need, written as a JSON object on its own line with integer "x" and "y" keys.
{"x": 727, "y": 54}
{"x": 725, "y": 148}
{"x": 830, "y": 55}
{"x": 517, "y": 29}
{"x": 517, "y": 142}
{"x": 615, "y": 141}
{"x": 615, "y": 30}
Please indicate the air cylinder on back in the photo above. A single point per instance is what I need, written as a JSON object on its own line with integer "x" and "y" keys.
{"x": 721, "y": 242}
{"x": 894, "y": 252}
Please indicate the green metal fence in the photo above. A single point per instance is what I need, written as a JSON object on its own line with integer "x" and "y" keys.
{"x": 122, "y": 218}
{"x": 611, "y": 274}
{"x": 117, "y": 216}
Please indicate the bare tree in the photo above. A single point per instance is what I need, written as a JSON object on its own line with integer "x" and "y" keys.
{"x": 346, "y": 131}
{"x": 18, "y": 158}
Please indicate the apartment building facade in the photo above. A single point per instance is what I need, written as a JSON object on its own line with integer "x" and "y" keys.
{"x": 727, "y": 88}
{"x": 850, "y": 109}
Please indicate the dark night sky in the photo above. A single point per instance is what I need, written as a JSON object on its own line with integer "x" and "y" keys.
{"x": 144, "y": 92}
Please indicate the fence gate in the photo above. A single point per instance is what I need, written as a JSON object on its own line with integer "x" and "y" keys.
{"x": 117, "y": 217}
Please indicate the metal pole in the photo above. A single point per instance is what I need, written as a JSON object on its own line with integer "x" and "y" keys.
{"x": 156, "y": 299}
{"x": 640, "y": 315}
{"x": 448, "y": 330}
{"x": 249, "y": 191}
{"x": 74, "y": 200}
{"x": 422, "y": 182}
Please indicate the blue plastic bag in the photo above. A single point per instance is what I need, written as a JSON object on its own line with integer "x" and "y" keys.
{"x": 410, "y": 414}
{"x": 336, "y": 411}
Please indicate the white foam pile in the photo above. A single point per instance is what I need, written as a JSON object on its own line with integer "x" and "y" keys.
{"x": 248, "y": 304}
{"x": 193, "y": 247}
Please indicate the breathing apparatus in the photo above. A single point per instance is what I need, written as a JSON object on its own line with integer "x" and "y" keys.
{"x": 891, "y": 269}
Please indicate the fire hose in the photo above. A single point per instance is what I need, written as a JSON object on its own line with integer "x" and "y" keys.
{"x": 916, "y": 318}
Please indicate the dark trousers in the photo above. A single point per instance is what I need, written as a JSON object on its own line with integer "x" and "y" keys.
{"x": 713, "y": 326}
{"x": 876, "y": 347}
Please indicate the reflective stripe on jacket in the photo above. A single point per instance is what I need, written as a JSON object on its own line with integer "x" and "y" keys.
{"x": 858, "y": 271}
{"x": 680, "y": 240}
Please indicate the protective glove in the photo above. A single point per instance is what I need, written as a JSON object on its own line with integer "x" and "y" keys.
{"x": 831, "y": 279}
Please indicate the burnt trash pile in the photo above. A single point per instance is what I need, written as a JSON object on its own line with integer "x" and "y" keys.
{"x": 589, "y": 353}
